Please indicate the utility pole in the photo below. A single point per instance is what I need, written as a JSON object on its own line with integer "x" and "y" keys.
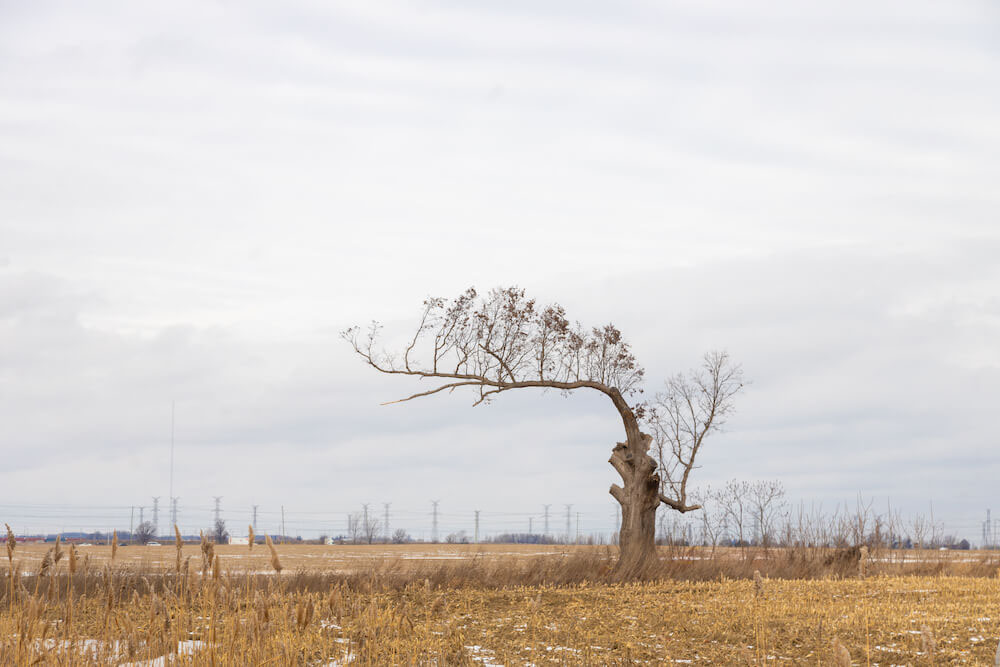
{"x": 434, "y": 524}
{"x": 476, "y": 539}
{"x": 388, "y": 537}
{"x": 218, "y": 508}
{"x": 577, "y": 527}
{"x": 568, "y": 508}
{"x": 131, "y": 519}
{"x": 255, "y": 517}
{"x": 173, "y": 510}
{"x": 156, "y": 516}
{"x": 546, "y": 518}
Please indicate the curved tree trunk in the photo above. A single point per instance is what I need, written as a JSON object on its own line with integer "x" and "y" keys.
{"x": 639, "y": 498}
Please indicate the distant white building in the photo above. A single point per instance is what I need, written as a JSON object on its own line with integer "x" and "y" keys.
{"x": 239, "y": 540}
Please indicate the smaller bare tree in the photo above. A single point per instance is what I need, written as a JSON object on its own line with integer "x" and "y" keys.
{"x": 712, "y": 518}
{"x": 219, "y": 533}
{"x": 371, "y": 529}
{"x": 144, "y": 533}
{"x": 733, "y": 498}
{"x": 767, "y": 502}
{"x": 685, "y": 412}
{"x": 354, "y": 531}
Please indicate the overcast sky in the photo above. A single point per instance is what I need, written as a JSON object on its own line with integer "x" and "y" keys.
{"x": 195, "y": 197}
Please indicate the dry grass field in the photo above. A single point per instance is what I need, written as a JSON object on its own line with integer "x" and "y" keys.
{"x": 492, "y": 605}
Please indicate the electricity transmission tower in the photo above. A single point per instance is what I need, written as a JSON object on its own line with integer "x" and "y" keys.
{"x": 568, "y": 522}
{"x": 255, "y": 517}
{"x": 546, "y": 518}
{"x": 156, "y": 515}
{"x": 218, "y": 508}
{"x": 173, "y": 510}
{"x": 476, "y": 538}
{"x": 388, "y": 537}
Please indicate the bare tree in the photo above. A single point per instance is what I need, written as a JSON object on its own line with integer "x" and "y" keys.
{"x": 713, "y": 520}
{"x": 767, "y": 500}
{"x": 370, "y": 529}
{"x": 918, "y": 529}
{"x": 144, "y": 532}
{"x": 503, "y": 341}
{"x": 734, "y": 498}
{"x": 686, "y": 411}
{"x": 354, "y": 529}
{"x": 219, "y": 533}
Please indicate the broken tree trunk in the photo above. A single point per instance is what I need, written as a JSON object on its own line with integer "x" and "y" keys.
{"x": 639, "y": 497}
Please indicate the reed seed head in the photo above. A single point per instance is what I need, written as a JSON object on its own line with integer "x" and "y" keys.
{"x": 11, "y": 543}
{"x": 275, "y": 561}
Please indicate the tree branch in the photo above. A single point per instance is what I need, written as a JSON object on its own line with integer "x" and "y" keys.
{"x": 679, "y": 506}
{"x": 432, "y": 391}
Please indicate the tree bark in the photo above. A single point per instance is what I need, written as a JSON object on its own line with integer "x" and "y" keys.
{"x": 639, "y": 497}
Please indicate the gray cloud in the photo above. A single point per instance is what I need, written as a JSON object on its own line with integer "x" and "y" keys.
{"x": 197, "y": 198}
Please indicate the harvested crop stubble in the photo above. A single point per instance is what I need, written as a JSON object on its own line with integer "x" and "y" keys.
{"x": 473, "y": 613}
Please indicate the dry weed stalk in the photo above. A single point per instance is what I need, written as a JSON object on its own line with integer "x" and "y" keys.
{"x": 207, "y": 554}
{"x": 863, "y": 562}
{"x": 46, "y": 565}
{"x": 251, "y": 538}
{"x": 758, "y": 584}
{"x": 303, "y": 614}
{"x": 11, "y": 543}
{"x": 179, "y": 544}
{"x": 114, "y": 545}
{"x": 841, "y": 656}
{"x": 275, "y": 562}
{"x": 928, "y": 645}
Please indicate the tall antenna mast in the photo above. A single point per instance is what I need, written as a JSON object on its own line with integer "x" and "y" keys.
{"x": 173, "y": 407}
